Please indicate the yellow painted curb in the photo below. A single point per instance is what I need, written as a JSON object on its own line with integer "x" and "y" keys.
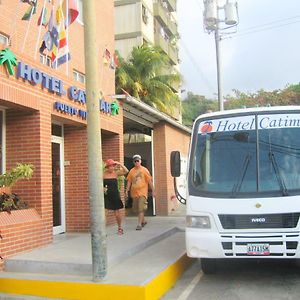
{"x": 83, "y": 291}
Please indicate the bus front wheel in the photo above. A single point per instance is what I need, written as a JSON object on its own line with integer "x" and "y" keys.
{"x": 208, "y": 265}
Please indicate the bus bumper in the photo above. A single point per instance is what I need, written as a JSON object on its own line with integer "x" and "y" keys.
{"x": 213, "y": 244}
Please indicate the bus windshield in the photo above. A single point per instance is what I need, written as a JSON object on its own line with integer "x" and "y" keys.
{"x": 245, "y": 156}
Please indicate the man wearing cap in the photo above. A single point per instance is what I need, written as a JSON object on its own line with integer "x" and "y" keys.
{"x": 138, "y": 181}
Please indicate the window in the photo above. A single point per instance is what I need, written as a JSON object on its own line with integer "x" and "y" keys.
{"x": 80, "y": 9}
{"x": 145, "y": 14}
{"x": 78, "y": 76}
{"x": 57, "y": 130}
{"x": 244, "y": 163}
{"x": 45, "y": 60}
{"x": 3, "y": 39}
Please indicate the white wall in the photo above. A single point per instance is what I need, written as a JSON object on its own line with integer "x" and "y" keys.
{"x": 127, "y": 18}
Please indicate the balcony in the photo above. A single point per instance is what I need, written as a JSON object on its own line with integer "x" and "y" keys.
{"x": 161, "y": 42}
{"x": 173, "y": 54}
{"x": 172, "y": 27}
{"x": 164, "y": 19}
{"x": 172, "y": 5}
{"x": 161, "y": 14}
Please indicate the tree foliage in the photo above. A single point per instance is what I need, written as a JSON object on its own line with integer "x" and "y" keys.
{"x": 195, "y": 105}
{"x": 147, "y": 75}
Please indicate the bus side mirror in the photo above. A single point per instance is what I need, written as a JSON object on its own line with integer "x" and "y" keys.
{"x": 175, "y": 163}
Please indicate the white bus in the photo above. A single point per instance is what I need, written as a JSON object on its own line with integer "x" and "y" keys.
{"x": 243, "y": 185}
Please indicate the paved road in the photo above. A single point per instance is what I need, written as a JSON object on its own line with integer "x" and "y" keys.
{"x": 240, "y": 280}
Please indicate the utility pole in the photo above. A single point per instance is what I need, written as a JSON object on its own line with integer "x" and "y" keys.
{"x": 219, "y": 76}
{"x": 95, "y": 176}
{"x": 211, "y": 22}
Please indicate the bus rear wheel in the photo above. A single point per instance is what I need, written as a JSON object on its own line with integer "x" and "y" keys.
{"x": 208, "y": 265}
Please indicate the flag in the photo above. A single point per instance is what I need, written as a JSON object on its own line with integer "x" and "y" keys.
{"x": 112, "y": 64}
{"x": 60, "y": 50}
{"x": 50, "y": 36}
{"x": 116, "y": 60}
{"x": 30, "y": 11}
{"x": 50, "y": 22}
{"x": 106, "y": 57}
{"x": 72, "y": 12}
{"x": 31, "y": 2}
{"x": 43, "y": 17}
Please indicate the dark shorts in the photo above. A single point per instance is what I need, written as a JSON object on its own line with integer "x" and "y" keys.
{"x": 139, "y": 204}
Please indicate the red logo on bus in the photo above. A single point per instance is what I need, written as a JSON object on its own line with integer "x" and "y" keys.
{"x": 206, "y": 127}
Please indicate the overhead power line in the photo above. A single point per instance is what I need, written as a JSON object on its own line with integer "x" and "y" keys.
{"x": 270, "y": 23}
{"x": 196, "y": 65}
{"x": 259, "y": 30}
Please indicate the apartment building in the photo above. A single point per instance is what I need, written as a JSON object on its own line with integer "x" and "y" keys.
{"x": 146, "y": 21}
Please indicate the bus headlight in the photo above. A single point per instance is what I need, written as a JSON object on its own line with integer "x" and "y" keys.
{"x": 198, "y": 222}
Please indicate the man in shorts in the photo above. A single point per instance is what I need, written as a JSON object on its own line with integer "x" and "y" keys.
{"x": 138, "y": 181}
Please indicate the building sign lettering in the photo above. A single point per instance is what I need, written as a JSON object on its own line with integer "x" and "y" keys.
{"x": 56, "y": 86}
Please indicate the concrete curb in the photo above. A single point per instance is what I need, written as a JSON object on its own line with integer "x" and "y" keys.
{"x": 154, "y": 289}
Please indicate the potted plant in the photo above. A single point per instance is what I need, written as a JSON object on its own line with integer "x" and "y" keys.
{"x": 9, "y": 179}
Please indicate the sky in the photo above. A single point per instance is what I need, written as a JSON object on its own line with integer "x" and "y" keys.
{"x": 264, "y": 53}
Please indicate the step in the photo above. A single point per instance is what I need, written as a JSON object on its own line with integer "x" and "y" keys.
{"x": 137, "y": 269}
{"x": 72, "y": 255}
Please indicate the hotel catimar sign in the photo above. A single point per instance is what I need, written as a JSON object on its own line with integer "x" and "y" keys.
{"x": 56, "y": 86}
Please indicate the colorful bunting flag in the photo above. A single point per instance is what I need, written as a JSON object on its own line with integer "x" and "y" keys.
{"x": 70, "y": 6}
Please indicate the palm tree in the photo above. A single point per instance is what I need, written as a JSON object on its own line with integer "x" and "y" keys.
{"x": 146, "y": 76}
{"x": 7, "y": 57}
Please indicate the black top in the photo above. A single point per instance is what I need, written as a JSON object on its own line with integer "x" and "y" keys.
{"x": 112, "y": 199}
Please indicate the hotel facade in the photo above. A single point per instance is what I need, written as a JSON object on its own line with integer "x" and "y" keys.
{"x": 43, "y": 123}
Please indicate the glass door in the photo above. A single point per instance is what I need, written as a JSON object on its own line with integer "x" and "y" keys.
{"x": 58, "y": 186}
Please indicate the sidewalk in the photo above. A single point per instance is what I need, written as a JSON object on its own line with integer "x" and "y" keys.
{"x": 141, "y": 264}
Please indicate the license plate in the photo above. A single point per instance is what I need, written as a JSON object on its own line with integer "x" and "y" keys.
{"x": 258, "y": 249}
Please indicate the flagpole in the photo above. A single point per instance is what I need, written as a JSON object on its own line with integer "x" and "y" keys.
{"x": 13, "y": 31}
{"x": 67, "y": 34}
{"x": 40, "y": 29}
{"x": 56, "y": 58}
{"x": 27, "y": 31}
{"x": 50, "y": 18}
{"x": 102, "y": 72}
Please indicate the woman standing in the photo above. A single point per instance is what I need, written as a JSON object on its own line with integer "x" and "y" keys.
{"x": 112, "y": 200}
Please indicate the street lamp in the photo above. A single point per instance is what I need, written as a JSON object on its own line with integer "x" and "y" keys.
{"x": 213, "y": 22}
